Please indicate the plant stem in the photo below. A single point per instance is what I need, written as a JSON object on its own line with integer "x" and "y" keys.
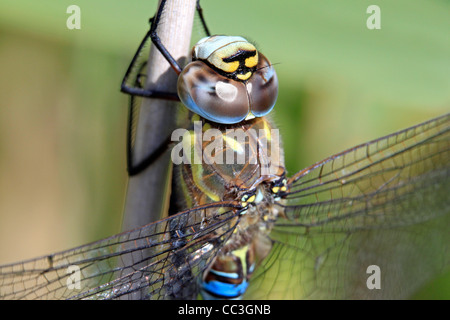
{"x": 148, "y": 192}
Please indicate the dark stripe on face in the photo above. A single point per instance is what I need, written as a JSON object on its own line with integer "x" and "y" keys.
{"x": 240, "y": 56}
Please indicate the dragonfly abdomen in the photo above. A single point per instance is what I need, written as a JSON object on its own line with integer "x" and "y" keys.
{"x": 229, "y": 275}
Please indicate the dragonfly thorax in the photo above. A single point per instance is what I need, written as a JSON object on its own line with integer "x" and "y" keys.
{"x": 243, "y": 165}
{"x": 228, "y": 81}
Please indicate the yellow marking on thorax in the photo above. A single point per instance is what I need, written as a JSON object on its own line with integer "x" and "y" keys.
{"x": 206, "y": 126}
{"x": 233, "y": 144}
{"x": 267, "y": 131}
{"x": 197, "y": 169}
{"x": 197, "y": 174}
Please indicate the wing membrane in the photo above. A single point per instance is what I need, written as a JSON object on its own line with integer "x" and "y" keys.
{"x": 382, "y": 203}
{"x": 167, "y": 257}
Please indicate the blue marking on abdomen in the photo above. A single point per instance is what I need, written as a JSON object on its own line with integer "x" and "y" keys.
{"x": 225, "y": 290}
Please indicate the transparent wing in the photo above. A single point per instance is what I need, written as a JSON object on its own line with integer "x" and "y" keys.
{"x": 167, "y": 257}
{"x": 384, "y": 203}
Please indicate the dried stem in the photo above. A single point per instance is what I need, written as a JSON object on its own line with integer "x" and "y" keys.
{"x": 147, "y": 194}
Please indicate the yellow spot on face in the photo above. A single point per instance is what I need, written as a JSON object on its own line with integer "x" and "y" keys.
{"x": 251, "y": 61}
{"x": 252, "y": 198}
{"x": 216, "y": 58}
{"x": 244, "y": 204}
{"x": 275, "y": 189}
{"x": 229, "y": 66}
{"x": 283, "y": 188}
{"x": 244, "y": 76}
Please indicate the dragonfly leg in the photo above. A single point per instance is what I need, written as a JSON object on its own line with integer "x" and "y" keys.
{"x": 134, "y": 89}
{"x": 134, "y": 85}
{"x": 157, "y": 41}
{"x": 134, "y": 169}
{"x": 202, "y": 18}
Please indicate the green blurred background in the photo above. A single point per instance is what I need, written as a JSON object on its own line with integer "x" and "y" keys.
{"x": 63, "y": 119}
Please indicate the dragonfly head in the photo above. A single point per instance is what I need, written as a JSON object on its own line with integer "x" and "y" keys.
{"x": 228, "y": 81}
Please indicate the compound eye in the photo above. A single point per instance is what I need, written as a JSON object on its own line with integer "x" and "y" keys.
{"x": 211, "y": 95}
{"x": 263, "y": 88}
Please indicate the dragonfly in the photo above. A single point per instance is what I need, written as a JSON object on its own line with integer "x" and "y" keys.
{"x": 381, "y": 206}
